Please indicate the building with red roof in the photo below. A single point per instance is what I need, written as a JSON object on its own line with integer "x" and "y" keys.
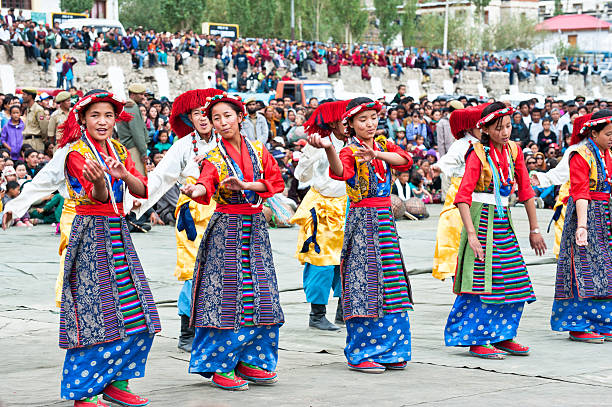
{"x": 586, "y": 32}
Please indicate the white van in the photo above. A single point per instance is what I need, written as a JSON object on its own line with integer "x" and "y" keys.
{"x": 97, "y": 24}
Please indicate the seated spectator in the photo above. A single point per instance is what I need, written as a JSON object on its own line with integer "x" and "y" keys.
{"x": 22, "y": 173}
{"x": 417, "y": 188}
{"x": 163, "y": 143}
{"x": 12, "y": 191}
{"x": 400, "y": 138}
{"x": 415, "y": 126}
{"x": 520, "y": 132}
{"x": 365, "y": 73}
{"x": 51, "y": 212}
{"x": 401, "y": 186}
{"x": 546, "y": 136}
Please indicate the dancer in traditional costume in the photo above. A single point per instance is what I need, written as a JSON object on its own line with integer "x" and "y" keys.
{"x": 583, "y": 289}
{"x": 235, "y": 303}
{"x": 376, "y": 292}
{"x": 560, "y": 175}
{"x": 195, "y": 139}
{"x": 452, "y": 164}
{"x": 491, "y": 282}
{"x": 108, "y": 316}
{"x": 321, "y": 216}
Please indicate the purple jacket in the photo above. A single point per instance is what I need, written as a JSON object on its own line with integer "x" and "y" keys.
{"x": 13, "y": 136}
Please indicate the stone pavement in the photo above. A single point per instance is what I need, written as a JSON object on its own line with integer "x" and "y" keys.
{"x": 312, "y": 369}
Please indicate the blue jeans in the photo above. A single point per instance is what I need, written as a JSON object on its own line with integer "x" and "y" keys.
{"x": 60, "y": 81}
{"x": 69, "y": 83}
{"x": 141, "y": 58}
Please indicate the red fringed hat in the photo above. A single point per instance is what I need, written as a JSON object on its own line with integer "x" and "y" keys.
{"x": 224, "y": 97}
{"x": 72, "y": 127}
{"x": 577, "y": 133}
{"x": 325, "y": 114}
{"x": 185, "y": 103}
{"x": 375, "y": 105}
{"x": 506, "y": 111}
{"x": 462, "y": 120}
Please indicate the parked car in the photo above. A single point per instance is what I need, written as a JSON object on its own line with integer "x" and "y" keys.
{"x": 550, "y": 61}
{"x": 605, "y": 72}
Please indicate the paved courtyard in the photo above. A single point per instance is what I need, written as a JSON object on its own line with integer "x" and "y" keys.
{"x": 312, "y": 369}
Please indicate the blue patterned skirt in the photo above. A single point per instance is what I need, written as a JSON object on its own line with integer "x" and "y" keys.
{"x": 472, "y": 322}
{"x": 382, "y": 340}
{"x": 220, "y": 350}
{"x": 582, "y": 314}
{"x": 87, "y": 371}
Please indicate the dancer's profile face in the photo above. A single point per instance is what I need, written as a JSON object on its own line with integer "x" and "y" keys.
{"x": 499, "y": 131}
{"x": 365, "y": 124}
{"x": 200, "y": 121}
{"x": 603, "y": 138}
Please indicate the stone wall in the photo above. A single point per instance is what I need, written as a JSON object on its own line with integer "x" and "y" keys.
{"x": 470, "y": 82}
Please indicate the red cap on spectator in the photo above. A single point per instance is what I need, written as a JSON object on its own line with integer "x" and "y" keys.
{"x": 185, "y": 103}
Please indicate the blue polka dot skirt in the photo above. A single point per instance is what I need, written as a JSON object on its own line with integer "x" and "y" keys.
{"x": 219, "y": 350}
{"x": 472, "y": 322}
{"x": 582, "y": 314}
{"x": 382, "y": 340}
{"x": 87, "y": 371}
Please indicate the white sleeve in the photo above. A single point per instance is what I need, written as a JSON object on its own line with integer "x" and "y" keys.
{"x": 304, "y": 172}
{"x": 49, "y": 179}
{"x": 452, "y": 162}
{"x": 558, "y": 175}
{"x": 163, "y": 177}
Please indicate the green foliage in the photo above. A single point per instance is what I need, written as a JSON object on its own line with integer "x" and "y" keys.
{"x": 76, "y": 6}
{"x": 516, "y": 32}
{"x": 143, "y": 13}
{"x": 183, "y": 14}
{"x": 558, "y": 8}
{"x": 409, "y": 23}
{"x": 563, "y": 49}
{"x": 388, "y": 19}
{"x": 430, "y": 32}
{"x": 480, "y": 5}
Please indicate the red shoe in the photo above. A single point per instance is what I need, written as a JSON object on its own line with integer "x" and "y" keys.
{"x": 90, "y": 403}
{"x": 229, "y": 381}
{"x": 255, "y": 374}
{"x": 367, "y": 367}
{"x": 607, "y": 337}
{"x": 587, "y": 337}
{"x": 395, "y": 366}
{"x": 123, "y": 397}
{"x": 487, "y": 352}
{"x": 512, "y": 347}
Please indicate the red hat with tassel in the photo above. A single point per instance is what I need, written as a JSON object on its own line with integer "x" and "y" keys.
{"x": 462, "y": 120}
{"x": 325, "y": 114}
{"x": 185, "y": 103}
{"x": 577, "y": 135}
{"x": 71, "y": 128}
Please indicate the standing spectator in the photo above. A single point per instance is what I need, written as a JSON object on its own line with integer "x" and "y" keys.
{"x": 133, "y": 134}
{"x": 535, "y": 127}
{"x": 546, "y": 136}
{"x": 255, "y": 125}
{"x": 12, "y": 133}
{"x": 35, "y": 121}
{"x": 67, "y": 71}
{"x": 241, "y": 63}
{"x": 444, "y": 134}
{"x": 63, "y": 102}
{"x": 59, "y": 62}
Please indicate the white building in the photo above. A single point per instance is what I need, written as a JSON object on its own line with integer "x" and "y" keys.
{"x": 587, "y": 33}
{"x": 494, "y": 13}
{"x": 596, "y": 8}
{"x": 42, "y": 10}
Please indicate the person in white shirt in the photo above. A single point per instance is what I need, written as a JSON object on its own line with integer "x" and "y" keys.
{"x": 5, "y": 40}
{"x": 452, "y": 164}
{"x": 321, "y": 216}
{"x": 181, "y": 164}
{"x": 535, "y": 127}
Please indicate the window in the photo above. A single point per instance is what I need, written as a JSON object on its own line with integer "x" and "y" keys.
{"x": 99, "y": 9}
{"x": 486, "y": 17}
{"x": 573, "y": 40}
{"x": 22, "y": 4}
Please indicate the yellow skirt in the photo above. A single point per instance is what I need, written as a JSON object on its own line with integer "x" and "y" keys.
{"x": 563, "y": 195}
{"x": 448, "y": 235}
{"x": 68, "y": 214}
{"x": 187, "y": 250}
{"x": 331, "y": 215}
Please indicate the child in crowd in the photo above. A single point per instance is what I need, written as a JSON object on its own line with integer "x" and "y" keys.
{"x": 417, "y": 188}
{"x": 401, "y": 186}
{"x": 400, "y": 138}
{"x": 163, "y": 142}
{"x": 546, "y": 136}
{"x": 12, "y": 192}
{"x": 22, "y": 173}
{"x": 12, "y": 133}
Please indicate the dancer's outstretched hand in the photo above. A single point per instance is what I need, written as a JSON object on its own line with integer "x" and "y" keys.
{"x": 317, "y": 141}
{"x": 537, "y": 243}
{"x": 194, "y": 191}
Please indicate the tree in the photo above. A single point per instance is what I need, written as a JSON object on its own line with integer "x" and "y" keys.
{"x": 350, "y": 15}
{"x": 558, "y": 8}
{"x": 388, "y": 20}
{"x": 76, "y": 6}
{"x": 183, "y": 14}
{"x": 409, "y": 22}
{"x": 145, "y": 13}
